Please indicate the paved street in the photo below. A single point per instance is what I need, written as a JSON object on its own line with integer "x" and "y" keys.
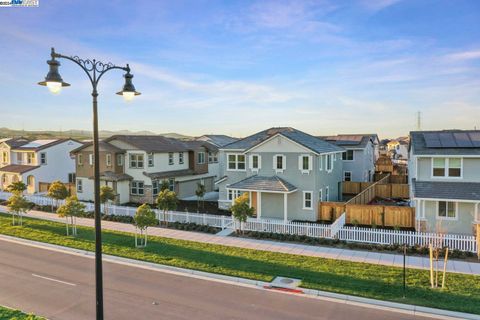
{"x": 61, "y": 286}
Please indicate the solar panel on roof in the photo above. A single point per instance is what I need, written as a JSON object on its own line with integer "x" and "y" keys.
{"x": 462, "y": 139}
{"x": 475, "y": 138}
{"x": 447, "y": 140}
{"x": 432, "y": 140}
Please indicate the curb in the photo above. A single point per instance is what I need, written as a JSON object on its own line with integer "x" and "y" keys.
{"x": 256, "y": 284}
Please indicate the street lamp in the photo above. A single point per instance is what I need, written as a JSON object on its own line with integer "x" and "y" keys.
{"x": 94, "y": 70}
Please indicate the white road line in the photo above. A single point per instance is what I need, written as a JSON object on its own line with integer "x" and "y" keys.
{"x": 55, "y": 280}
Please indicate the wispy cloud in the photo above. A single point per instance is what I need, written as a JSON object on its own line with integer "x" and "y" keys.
{"x": 377, "y": 5}
{"x": 464, "y": 55}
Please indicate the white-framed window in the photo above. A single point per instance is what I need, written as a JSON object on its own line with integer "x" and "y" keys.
{"x": 347, "y": 155}
{"x": 279, "y": 163}
{"x": 119, "y": 160}
{"x": 320, "y": 162}
{"x": 43, "y": 158}
{"x": 329, "y": 163}
{"x": 108, "y": 159}
{"x": 137, "y": 188}
{"x": 447, "y": 210}
{"x": 347, "y": 175}
{"x": 201, "y": 158}
{"x": 150, "y": 159}
{"x": 212, "y": 157}
{"x": 180, "y": 158}
{"x": 155, "y": 187}
{"x": 320, "y": 195}
{"x": 5, "y": 157}
{"x": 307, "y": 200}
{"x": 236, "y": 162}
{"x": 90, "y": 159}
{"x": 30, "y": 157}
{"x": 327, "y": 193}
{"x": 171, "y": 184}
{"x": 255, "y": 162}
{"x": 170, "y": 159}
{"x": 71, "y": 177}
{"x": 136, "y": 160}
{"x": 80, "y": 159}
{"x": 233, "y": 194}
{"x": 79, "y": 185}
{"x": 305, "y": 163}
{"x": 447, "y": 167}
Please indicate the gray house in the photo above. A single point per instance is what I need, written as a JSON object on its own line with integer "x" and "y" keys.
{"x": 361, "y": 152}
{"x": 284, "y": 171}
{"x": 444, "y": 169}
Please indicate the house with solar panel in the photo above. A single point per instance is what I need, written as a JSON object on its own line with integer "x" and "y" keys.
{"x": 444, "y": 168}
{"x": 37, "y": 163}
{"x": 361, "y": 153}
{"x": 285, "y": 172}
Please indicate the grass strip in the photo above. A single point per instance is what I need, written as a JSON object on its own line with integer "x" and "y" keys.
{"x": 462, "y": 292}
{"x": 11, "y": 314}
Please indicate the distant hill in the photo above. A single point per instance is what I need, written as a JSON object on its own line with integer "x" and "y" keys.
{"x": 79, "y": 134}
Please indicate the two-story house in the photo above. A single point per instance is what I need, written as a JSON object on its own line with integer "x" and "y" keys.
{"x": 444, "y": 174}
{"x": 37, "y": 163}
{"x": 361, "y": 153}
{"x": 286, "y": 172}
{"x": 136, "y": 166}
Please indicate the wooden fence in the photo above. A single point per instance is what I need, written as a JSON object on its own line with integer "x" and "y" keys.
{"x": 388, "y": 216}
{"x": 394, "y": 178}
{"x": 381, "y": 190}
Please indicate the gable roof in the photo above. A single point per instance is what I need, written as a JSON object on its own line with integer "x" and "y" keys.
{"x": 15, "y": 142}
{"x": 457, "y": 142}
{"x": 315, "y": 144}
{"x": 37, "y": 145}
{"x": 151, "y": 143}
{"x": 18, "y": 168}
{"x": 219, "y": 140}
{"x": 102, "y": 146}
{"x": 446, "y": 190}
{"x": 351, "y": 140}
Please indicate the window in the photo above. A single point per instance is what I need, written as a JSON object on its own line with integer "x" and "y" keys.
{"x": 19, "y": 157}
{"x": 447, "y": 210}
{"x": 79, "y": 185}
{"x": 80, "y": 159}
{"x": 90, "y": 159}
{"x": 180, "y": 158}
{"x": 171, "y": 184}
{"x": 255, "y": 162}
{"x": 233, "y": 194}
{"x": 327, "y": 194}
{"x": 136, "y": 161}
{"x": 201, "y": 158}
{"x": 329, "y": 164}
{"x": 279, "y": 163}
{"x": 236, "y": 162}
{"x": 137, "y": 188}
{"x": 155, "y": 187}
{"x": 320, "y": 195}
{"x": 347, "y": 155}
{"x": 108, "y": 159}
{"x": 4, "y": 156}
{"x": 320, "y": 162}
{"x": 71, "y": 177}
{"x": 30, "y": 157}
{"x": 307, "y": 200}
{"x": 170, "y": 159}
{"x": 43, "y": 158}
{"x": 347, "y": 176}
{"x": 447, "y": 167}
{"x": 305, "y": 163}
{"x": 212, "y": 157}
{"x": 119, "y": 160}
{"x": 31, "y": 181}
{"x": 150, "y": 159}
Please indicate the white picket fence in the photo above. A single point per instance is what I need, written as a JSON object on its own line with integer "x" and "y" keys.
{"x": 336, "y": 230}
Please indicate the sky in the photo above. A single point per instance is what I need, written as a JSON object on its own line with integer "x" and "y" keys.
{"x": 238, "y": 67}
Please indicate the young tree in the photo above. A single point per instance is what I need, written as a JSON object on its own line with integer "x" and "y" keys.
{"x": 241, "y": 209}
{"x": 164, "y": 185}
{"x": 144, "y": 218}
{"x": 17, "y": 187}
{"x": 200, "y": 193}
{"x": 106, "y": 194}
{"x": 57, "y": 192}
{"x": 70, "y": 211}
{"x": 18, "y": 205}
{"x": 166, "y": 200}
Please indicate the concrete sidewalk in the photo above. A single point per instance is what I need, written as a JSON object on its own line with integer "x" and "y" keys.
{"x": 387, "y": 259}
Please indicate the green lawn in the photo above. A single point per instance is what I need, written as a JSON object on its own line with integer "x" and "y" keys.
{"x": 361, "y": 279}
{"x": 10, "y": 314}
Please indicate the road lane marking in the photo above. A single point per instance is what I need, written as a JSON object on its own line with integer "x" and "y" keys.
{"x": 55, "y": 280}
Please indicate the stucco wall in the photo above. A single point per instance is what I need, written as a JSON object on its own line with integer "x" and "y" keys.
{"x": 462, "y": 225}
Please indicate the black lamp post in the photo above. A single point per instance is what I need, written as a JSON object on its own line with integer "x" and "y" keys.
{"x": 94, "y": 70}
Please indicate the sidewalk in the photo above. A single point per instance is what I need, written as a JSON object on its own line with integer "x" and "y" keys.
{"x": 387, "y": 259}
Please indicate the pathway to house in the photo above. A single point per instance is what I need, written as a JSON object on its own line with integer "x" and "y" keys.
{"x": 388, "y": 259}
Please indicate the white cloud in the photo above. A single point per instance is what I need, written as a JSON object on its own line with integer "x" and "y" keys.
{"x": 464, "y": 55}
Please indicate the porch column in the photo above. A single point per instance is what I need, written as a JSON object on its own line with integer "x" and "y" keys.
{"x": 285, "y": 203}
{"x": 259, "y": 205}
{"x": 250, "y": 198}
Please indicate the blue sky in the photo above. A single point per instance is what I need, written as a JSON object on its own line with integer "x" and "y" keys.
{"x": 237, "y": 67}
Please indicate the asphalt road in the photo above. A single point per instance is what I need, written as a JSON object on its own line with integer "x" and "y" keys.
{"x": 61, "y": 286}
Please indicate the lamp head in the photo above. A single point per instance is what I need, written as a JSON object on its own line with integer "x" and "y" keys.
{"x": 128, "y": 91}
{"x": 53, "y": 80}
